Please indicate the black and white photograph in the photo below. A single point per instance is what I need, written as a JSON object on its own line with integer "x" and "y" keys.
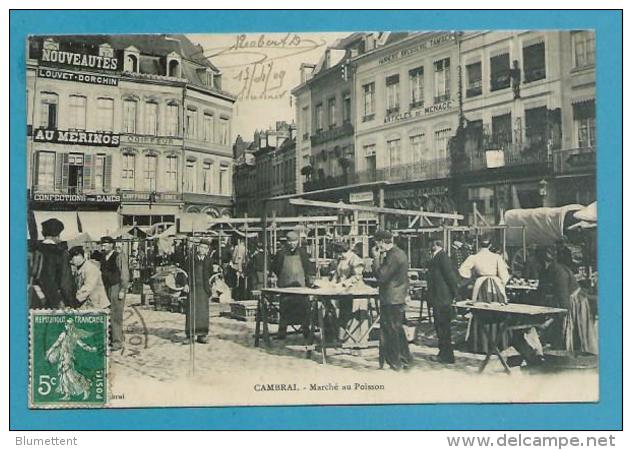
{"x": 331, "y": 218}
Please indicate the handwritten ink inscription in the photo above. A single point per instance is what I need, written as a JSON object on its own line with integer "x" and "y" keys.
{"x": 260, "y": 82}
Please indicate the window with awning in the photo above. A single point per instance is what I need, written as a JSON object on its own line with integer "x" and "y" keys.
{"x": 534, "y": 62}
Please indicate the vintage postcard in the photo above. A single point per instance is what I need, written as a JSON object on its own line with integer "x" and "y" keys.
{"x": 379, "y": 217}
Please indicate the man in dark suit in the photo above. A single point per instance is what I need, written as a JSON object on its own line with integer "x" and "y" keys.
{"x": 51, "y": 279}
{"x": 442, "y": 290}
{"x": 391, "y": 271}
{"x": 200, "y": 269}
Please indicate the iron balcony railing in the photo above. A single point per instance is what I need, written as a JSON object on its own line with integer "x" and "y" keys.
{"x": 575, "y": 160}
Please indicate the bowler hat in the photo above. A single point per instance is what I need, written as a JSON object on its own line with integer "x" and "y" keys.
{"x": 52, "y": 227}
{"x": 107, "y": 240}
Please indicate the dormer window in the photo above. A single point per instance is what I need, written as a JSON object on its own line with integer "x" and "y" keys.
{"x": 209, "y": 78}
{"x": 106, "y": 50}
{"x": 174, "y": 68}
{"x": 131, "y": 59}
{"x": 50, "y": 44}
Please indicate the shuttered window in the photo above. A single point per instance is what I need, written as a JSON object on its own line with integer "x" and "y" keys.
{"x": 45, "y": 171}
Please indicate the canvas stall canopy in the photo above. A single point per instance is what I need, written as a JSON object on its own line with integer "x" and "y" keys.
{"x": 543, "y": 226}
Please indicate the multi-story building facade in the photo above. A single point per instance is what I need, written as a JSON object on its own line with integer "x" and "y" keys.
{"x": 526, "y": 106}
{"x": 271, "y": 171}
{"x": 106, "y": 117}
{"x": 408, "y": 110}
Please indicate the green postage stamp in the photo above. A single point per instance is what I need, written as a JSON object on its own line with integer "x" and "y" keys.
{"x": 68, "y": 359}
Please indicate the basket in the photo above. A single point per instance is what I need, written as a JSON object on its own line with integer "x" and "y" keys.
{"x": 247, "y": 310}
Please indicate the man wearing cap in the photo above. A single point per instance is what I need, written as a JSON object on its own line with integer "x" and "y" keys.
{"x": 115, "y": 280}
{"x": 90, "y": 290}
{"x": 51, "y": 276}
{"x": 391, "y": 270}
{"x": 293, "y": 268}
{"x": 200, "y": 270}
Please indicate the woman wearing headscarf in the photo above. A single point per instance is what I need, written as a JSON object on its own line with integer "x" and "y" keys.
{"x": 490, "y": 274}
{"x": 353, "y": 314}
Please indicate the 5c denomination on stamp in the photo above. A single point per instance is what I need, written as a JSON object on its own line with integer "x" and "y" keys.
{"x": 68, "y": 359}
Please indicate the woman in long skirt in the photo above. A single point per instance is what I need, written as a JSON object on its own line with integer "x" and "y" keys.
{"x": 490, "y": 273}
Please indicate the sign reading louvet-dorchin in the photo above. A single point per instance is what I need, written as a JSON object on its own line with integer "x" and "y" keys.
{"x": 65, "y": 75}
{"x": 94, "y": 138}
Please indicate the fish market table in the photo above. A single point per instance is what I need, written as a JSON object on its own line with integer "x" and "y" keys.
{"x": 319, "y": 299}
{"x": 510, "y": 316}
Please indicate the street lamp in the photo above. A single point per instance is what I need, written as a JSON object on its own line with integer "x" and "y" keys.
{"x": 543, "y": 184}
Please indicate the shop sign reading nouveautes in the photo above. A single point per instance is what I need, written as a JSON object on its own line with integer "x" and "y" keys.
{"x": 95, "y": 138}
{"x": 432, "y": 109}
{"x": 55, "y": 74}
{"x": 79, "y": 59}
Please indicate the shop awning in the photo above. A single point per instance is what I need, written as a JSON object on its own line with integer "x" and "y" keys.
{"x": 98, "y": 223}
{"x": 145, "y": 210}
{"x": 194, "y": 223}
{"x": 68, "y": 218}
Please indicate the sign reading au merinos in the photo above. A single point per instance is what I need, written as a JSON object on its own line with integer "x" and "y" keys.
{"x": 95, "y": 138}
{"x": 55, "y": 74}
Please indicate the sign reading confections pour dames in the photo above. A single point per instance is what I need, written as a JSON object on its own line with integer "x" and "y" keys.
{"x": 94, "y": 138}
{"x": 79, "y": 59}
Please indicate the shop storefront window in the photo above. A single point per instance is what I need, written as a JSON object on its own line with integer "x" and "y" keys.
{"x": 500, "y": 72}
{"x": 474, "y": 79}
{"x": 128, "y": 170}
{"x": 392, "y": 94}
{"x": 583, "y": 48}
{"x": 151, "y": 115}
{"x": 584, "y": 121}
{"x": 416, "y": 82}
{"x": 49, "y": 105}
{"x": 129, "y": 116}
{"x": 442, "y": 80}
{"x": 105, "y": 114}
{"x": 534, "y": 62}
{"x": 77, "y": 112}
{"x": 45, "y": 171}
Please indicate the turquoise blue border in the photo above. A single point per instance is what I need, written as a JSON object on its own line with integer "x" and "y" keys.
{"x": 606, "y": 414}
